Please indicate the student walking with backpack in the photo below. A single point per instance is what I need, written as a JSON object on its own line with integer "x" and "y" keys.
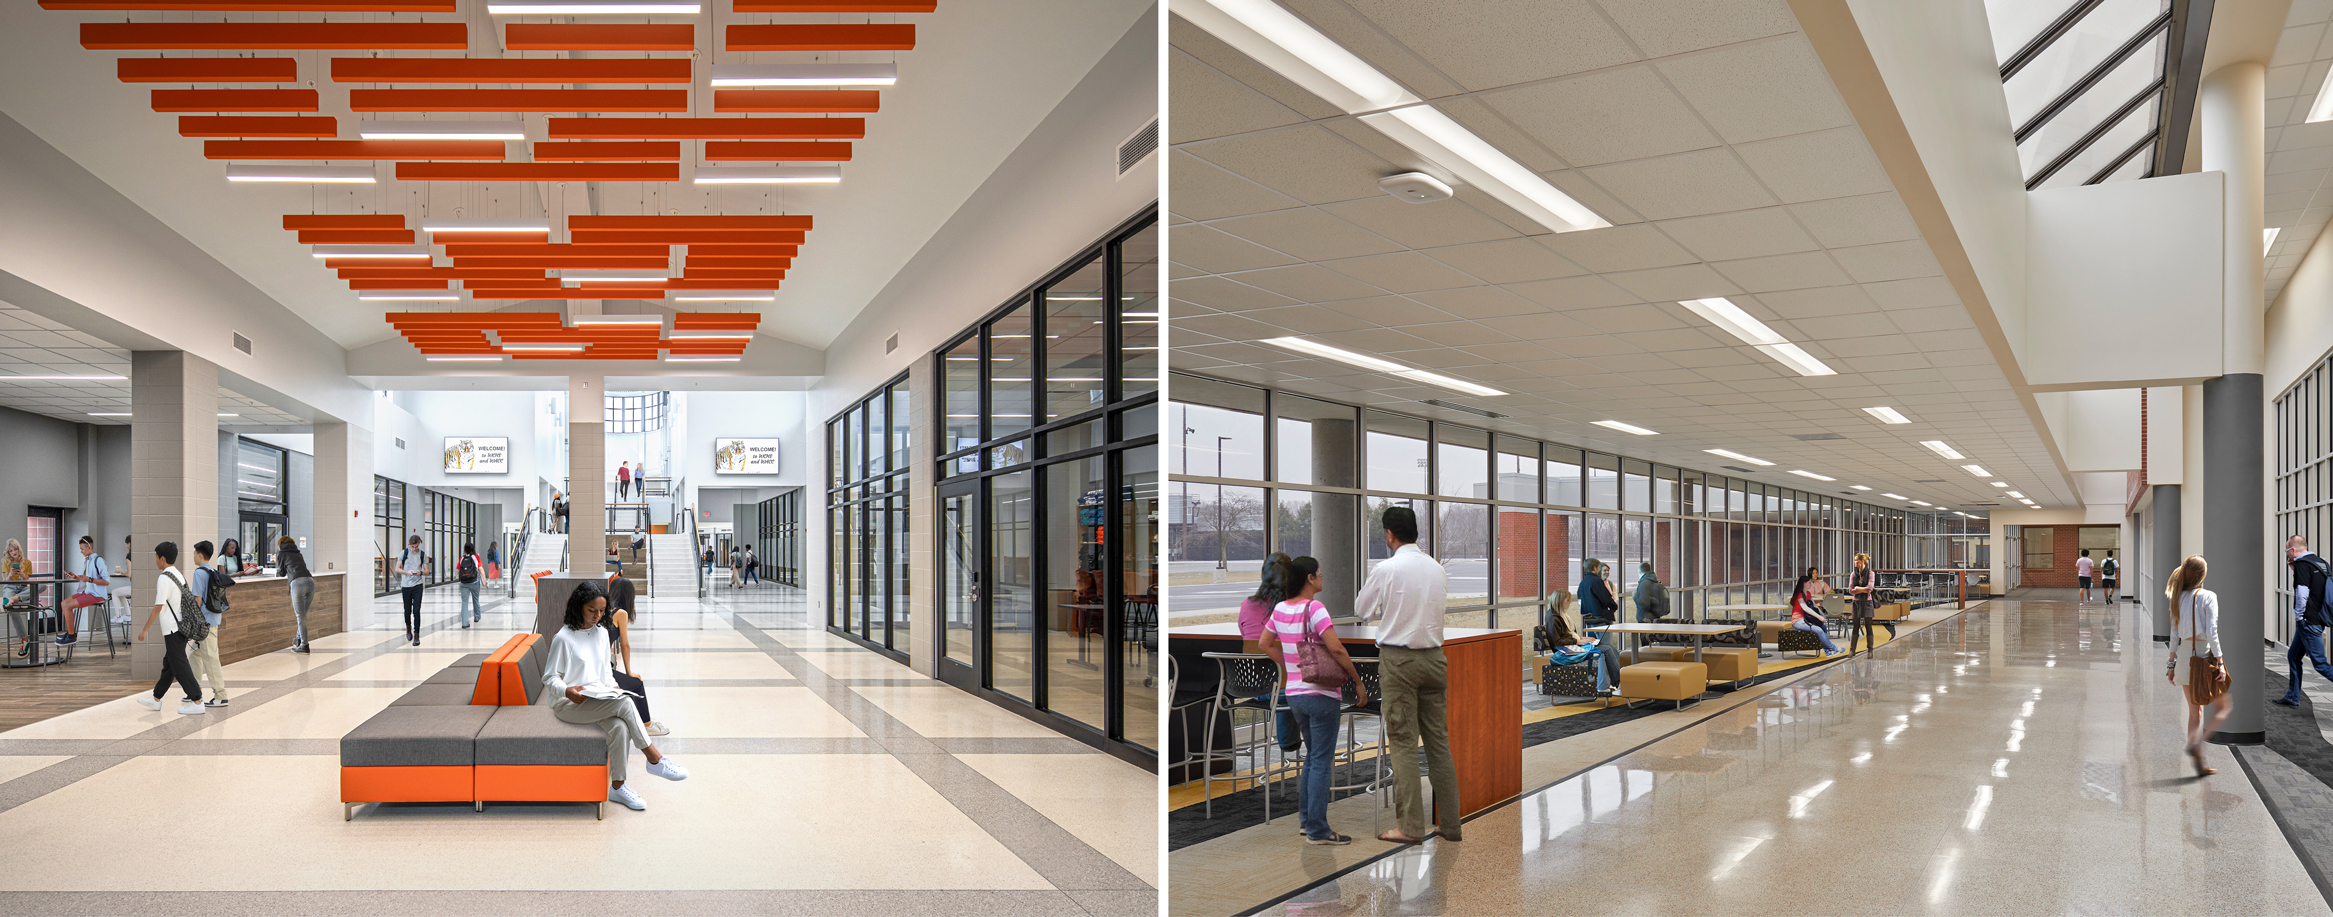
{"x": 2109, "y": 575}
{"x": 180, "y": 616}
{"x": 471, "y": 571}
{"x": 412, "y": 576}
{"x": 210, "y": 592}
{"x": 752, "y": 566}
{"x": 2310, "y": 615}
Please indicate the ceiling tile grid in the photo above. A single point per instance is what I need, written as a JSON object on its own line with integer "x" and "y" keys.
{"x": 31, "y": 345}
{"x": 2299, "y": 198}
{"x": 1729, "y": 166}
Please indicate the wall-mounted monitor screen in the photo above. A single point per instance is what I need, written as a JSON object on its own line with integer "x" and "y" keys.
{"x": 745, "y": 456}
{"x": 477, "y": 455}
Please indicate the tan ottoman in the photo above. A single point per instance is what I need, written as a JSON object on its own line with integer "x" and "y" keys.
{"x": 1731, "y": 663}
{"x": 1659, "y": 653}
{"x": 1670, "y": 681}
{"x": 1770, "y": 632}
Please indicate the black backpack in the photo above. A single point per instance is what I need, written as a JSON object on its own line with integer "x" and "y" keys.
{"x": 2317, "y": 613}
{"x": 468, "y": 570}
{"x": 191, "y": 623}
{"x": 215, "y": 595}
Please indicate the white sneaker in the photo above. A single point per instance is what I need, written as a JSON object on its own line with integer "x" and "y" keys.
{"x": 149, "y": 703}
{"x": 624, "y": 796}
{"x": 658, "y": 729}
{"x": 193, "y": 708}
{"x": 666, "y": 769}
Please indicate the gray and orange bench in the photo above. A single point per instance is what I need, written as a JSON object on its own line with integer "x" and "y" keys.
{"x": 478, "y": 731}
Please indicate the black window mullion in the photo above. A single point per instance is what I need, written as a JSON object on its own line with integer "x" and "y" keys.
{"x": 2104, "y": 124}
{"x": 2096, "y": 73}
{"x": 2047, "y": 37}
{"x": 2120, "y": 160}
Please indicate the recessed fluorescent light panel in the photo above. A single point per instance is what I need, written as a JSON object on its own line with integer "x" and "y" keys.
{"x": 1893, "y": 496}
{"x": 1276, "y": 38}
{"x": 1722, "y": 312}
{"x": 1978, "y": 470}
{"x": 1937, "y": 446}
{"x": 442, "y": 130}
{"x": 307, "y": 175}
{"x": 1887, "y": 415}
{"x": 1314, "y": 348}
{"x": 1922, "y": 503}
{"x": 2322, "y": 108}
{"x": 591, "y": 8}
{"x": 804, "y": 75}
{"x": 2000, "y": 483}
{"x": 483, "y": 224}
{"x": 768, "y": 175}
{"x": 2268, "y": 237}
{"x": 1860, "y": 486}
{"x": 1728, "y": 453}
{"x": 1625, "y": 427}
{"x": 1810, "y": 474}
{"x": 2017, "y": 495}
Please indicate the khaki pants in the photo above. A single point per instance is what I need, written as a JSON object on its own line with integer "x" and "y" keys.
{"x": 615, "y": 715}
{"x": 1416, "y": 684}
{"x": 205, "y": 656}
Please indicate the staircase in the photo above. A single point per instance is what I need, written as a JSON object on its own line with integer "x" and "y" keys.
{"x": 672, "y": 564}
{"x": 544, "y": 552}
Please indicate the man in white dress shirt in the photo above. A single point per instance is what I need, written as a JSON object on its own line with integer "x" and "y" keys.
{"x": 1404, "y": 598}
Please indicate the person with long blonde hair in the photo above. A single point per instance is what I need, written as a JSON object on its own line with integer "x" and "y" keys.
{"x": 2195, "y": 635}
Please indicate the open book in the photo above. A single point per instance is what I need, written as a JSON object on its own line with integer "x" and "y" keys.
{"x": 606, "y": 692}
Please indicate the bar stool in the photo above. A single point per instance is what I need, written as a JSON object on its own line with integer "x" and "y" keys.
{"x": 1246, "y": 681}
{"x": 1176, "y": 714}
{"x": 1380, "y": 766}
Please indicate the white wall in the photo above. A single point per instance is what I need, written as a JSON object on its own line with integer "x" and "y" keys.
{"x": 707, "y": 416}
{"x": 2101, "y": 430}
{"x": 425, "y": 419}
{"x": 2123, "y": 283}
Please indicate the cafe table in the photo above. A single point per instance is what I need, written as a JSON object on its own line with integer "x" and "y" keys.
{"x": 1695, "y": 631}
{"x": 1484, "y": 699}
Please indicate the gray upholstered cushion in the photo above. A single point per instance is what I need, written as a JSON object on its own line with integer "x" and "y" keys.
{"x": 531, "y": 735}
{"x": 453, "y": 676}
{"x": 415, "y": 736}
{"x": 429, "y": 695}
{"x": 471, "y": 661}
{"x": 530, "y": 673}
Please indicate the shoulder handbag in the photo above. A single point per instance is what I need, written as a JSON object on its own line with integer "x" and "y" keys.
{"x": 1314, "y": 661}
{"x": 2207, "y": 676}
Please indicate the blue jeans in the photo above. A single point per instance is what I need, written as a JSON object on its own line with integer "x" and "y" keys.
{"x": 470, "y": 603}
{"x": 2308, "y": 640}
{"x": 1607, "y": 666}
{"x": 1820, "y": 634}
{"x": 1317, "y": 717}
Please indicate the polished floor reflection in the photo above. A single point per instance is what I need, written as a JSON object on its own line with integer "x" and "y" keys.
{"x": 2023, "y": 758}
{"x": 825, "y": 779}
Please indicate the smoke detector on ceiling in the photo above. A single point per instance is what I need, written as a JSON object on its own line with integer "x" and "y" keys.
{"x": 1415, "y": 187}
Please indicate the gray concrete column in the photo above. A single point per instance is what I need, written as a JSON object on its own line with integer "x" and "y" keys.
{"x": 2233, "y": 143}
{"x": 342, "y": 503}
{"x": 587, "y": 479}
{"x": 2162, "y": 557}
{"x": 1336, "y": 518}
{"x": 174, "y": 475}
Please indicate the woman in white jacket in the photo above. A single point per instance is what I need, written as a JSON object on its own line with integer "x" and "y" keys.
{"x": 580, "y": 674}
{"x": 2195, "y": 638}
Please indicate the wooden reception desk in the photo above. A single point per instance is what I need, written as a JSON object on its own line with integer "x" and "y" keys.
{"x": 1485, "y": 702}
{"x": 259, "y": 622}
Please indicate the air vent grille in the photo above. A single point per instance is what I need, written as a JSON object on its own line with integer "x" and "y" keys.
{"x": 242, "y": 343}
{"x": 1815, "y": 437}
{"x": 1137, "y": 148}
{"x": 1930, "y": 481}
{"x": 1737, "y": 468}
{"x": 1452, "y": 405}
{"x": 890, "y": 344}
{"x": 400, "y": 442}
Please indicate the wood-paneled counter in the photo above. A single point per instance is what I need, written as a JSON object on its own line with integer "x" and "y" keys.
{"x": 1485, "y": 707}
{"x": 261, "y": 620}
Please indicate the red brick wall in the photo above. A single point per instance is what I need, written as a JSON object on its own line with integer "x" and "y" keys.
{"x": 2064, "y": 549}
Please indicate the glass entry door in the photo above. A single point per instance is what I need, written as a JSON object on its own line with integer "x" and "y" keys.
{"x": 959, "y": 577}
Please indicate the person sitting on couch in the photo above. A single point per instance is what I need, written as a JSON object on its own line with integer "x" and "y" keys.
{"x": 1563, "y": 628}
{"x": 580, "y": 674}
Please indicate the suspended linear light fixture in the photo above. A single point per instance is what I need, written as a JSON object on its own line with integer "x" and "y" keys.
{"x": 768, "y": 175}
{"x": 298, "y": 174}
{"x": 442, "y": 130}
{"x": 804, "y": 75}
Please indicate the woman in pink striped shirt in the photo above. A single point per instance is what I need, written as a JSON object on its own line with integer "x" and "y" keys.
{"x": 1317, "y": 708}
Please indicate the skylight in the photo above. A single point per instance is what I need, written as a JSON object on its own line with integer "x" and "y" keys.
{"x": 2085, "y": 81}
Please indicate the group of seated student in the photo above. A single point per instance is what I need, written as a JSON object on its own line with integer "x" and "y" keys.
{"x": 586, "y": 688}
{"x": 1571, "y": 644}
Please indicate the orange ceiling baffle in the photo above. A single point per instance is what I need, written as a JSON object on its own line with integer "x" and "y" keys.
{"x": 608, "y": 151}
{"x": 716, "y": 321}
{"x": 166, "y": 36}
{"x": 717, "y": 262}
{"x": 458, "y": 237}
{"x": 659, "y": 100}
{"x": 708, "y": 128}
{"x": 744, "y": 251}
{"x": 297, "y": 221}
{"x": 174, "y": 100}
{"x": 546, "y": 262}
{"x": 871, "y": 36}
{"x": 778, "y": 151}
{"x": 353, "y": 149}
{"x": 207, "y": 70}
{"x": 510, "y": 70}
{"x": 398, "y": 284}
{"x": 538, "y": 171}
{"x": 523, "y": 249}
{"x": 684, "y": 237}
{"x": 519, "y": 36}
{"x": 837, "y": 6}
{"x": 443, "y": 273}
{"x": 711, "y": 222}
{"x": 795, "y": 100}
{"x": 356, "y": 261}
{"x": 257, "y": 126}
{"x": 356, "y": 237}
{"x": 261, "y": 6}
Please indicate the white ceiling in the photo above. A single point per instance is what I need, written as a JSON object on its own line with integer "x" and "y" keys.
{"x": 2300, "y": 156}
{"x": 32, "y": 345}
{"x": 982, "y": 76}
{"x": 1706, "y": 131}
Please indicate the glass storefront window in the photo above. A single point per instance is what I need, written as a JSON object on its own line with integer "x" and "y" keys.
{"x": 961, "y": 377}
{"x": 1138, "y": 571}
{"x": 1603, "y": 482}
{"x": 1515, "y": 469}
{"x": 1012, "y": 363}
{"x": 1563, "y": 476}
{"x": 1075, "y": 571}
{"x": 1217, "y": 430}
{"x": 1076, "y": 379}
{"x": 1012, "y": 589}
{"x": 1462, "y": 542}
{"x": 1317, "y": 441}
{"x": 1215, "y": 540}
{"x": 1461, "y": 458}
{"x": 1396, "y": 447}
{"x": 1139, "y": 313}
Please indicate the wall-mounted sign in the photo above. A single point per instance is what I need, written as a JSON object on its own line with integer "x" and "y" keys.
{"x": 745, "y": 456}
{"x": 477, "y": 455}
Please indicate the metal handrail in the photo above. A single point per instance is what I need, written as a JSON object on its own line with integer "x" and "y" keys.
{"x": 696, "y": 558}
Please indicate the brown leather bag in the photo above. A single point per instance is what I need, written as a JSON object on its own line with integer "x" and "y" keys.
{"x": 2207, "y": 679}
